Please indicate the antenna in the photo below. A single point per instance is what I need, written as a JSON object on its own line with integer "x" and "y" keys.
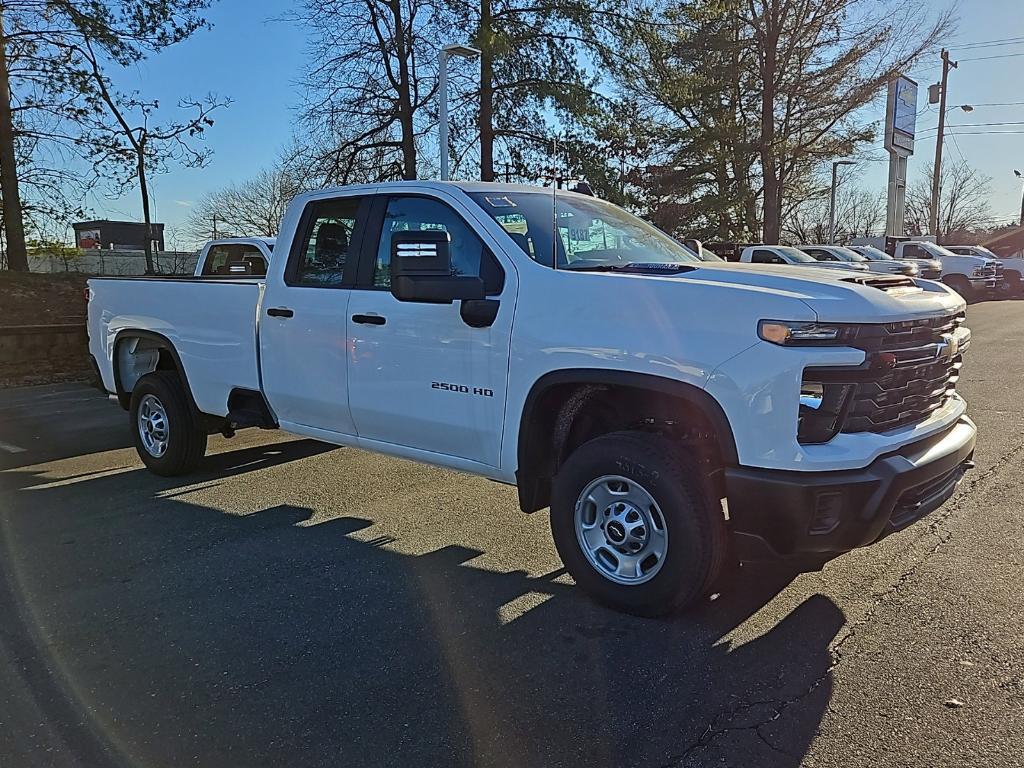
{"x": 554, "y": 202}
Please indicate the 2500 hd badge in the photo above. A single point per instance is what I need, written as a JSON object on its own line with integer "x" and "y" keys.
{"x": 462, "y": 389}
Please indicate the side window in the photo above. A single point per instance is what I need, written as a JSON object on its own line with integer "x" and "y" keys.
{"x": 469, "y": 256}
{"x": 821, "y": 255}
{"x": 912, "y": 251}
{"x": 761, "y": 256}
{"x": 324, "y": 248}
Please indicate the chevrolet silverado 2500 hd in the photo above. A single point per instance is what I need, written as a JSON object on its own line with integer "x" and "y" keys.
{"x": 559, "y": 343}
{"x": 970, "y": 276}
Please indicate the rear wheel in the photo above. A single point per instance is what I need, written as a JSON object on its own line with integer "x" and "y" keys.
{"x": 635, "y": 525}
{"x": 167, "y": 438}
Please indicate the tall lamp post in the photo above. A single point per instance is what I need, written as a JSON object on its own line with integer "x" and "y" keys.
{"x": 832, "y": 200}
{"x": 1020, "y": 175}
{"x": 442, "y": 87}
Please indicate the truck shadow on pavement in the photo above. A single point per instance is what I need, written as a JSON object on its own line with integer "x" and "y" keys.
{"x": 156, "y": 631}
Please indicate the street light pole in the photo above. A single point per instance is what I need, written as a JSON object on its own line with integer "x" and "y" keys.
{"x": 442, "y": 94}
{"x": 832, "y": 201}
{"x": 933, "y": 216}
{"x": 1019, "y": 175}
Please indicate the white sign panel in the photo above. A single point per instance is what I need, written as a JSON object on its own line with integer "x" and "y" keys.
{"x": 901, "y": 116}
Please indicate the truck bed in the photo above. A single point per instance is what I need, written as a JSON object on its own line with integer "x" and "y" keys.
{"x": 210, "y": 322}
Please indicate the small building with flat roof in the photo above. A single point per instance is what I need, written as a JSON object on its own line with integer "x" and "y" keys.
{"x": 107, "y": 235}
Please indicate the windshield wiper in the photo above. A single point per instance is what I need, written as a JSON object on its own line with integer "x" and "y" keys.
{"x": 635, "y": 266}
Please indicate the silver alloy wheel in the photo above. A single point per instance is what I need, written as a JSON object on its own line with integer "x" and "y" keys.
{"x": 621, "y": 530}
{"x": 153, "y": 427}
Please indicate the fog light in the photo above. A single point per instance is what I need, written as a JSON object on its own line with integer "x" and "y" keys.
{"x": 828, "y": 512}
{"x": 822, "y": 411}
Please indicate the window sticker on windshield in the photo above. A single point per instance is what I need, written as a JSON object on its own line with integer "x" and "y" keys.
{"x": 500, "y": 202}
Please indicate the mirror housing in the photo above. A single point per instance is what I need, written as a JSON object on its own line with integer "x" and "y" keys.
{"x": 421, "y": 269}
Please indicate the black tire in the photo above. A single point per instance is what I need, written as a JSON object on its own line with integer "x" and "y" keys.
{"x": 962, "y": 286}
{"x": 185, "y": 441}
{"x": 1014, "y": 285}
{"x": 698, "y": 540}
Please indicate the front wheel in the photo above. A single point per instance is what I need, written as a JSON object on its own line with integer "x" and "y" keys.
{"x": 167, "y": 438}
{"x": 635, "y": 525}
{"x": 962, "y": 286}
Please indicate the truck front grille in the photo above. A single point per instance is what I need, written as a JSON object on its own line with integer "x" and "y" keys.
{"x": 912, "y": 370}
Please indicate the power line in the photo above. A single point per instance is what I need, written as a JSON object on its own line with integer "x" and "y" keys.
{"x": 987, "y": 58}
{"x": 986, "y": 133}
{"x": 988, "y": 44}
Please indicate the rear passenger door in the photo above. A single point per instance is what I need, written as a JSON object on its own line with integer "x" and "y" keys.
{"x": 420, "y": 376}
{"x": 303, "y": 338}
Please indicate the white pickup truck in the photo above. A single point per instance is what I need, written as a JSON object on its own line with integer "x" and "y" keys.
{"x": 665, "y": 408}
{"x": 1013, "y": 266}
{"x": 785, "y": 254}
{"x": 838, "y": 253}
{"x": 971, "y": 276}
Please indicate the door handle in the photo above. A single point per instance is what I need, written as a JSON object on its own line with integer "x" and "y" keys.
{"x": 280, "y": 312}
{"x": 369, "y": 319}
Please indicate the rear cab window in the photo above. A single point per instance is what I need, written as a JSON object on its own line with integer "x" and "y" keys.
{"x": 236, "y": 259}
{"x": 325, "y": 250}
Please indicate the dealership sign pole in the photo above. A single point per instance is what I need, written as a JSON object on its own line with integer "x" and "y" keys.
{"x": 900, "y": 126}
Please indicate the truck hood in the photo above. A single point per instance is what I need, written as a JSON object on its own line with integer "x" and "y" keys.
{"x": 834, "y": 296}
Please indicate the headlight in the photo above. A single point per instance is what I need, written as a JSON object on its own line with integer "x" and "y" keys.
{"x": 787, "y": 333}
{"x": 911, "y": 270}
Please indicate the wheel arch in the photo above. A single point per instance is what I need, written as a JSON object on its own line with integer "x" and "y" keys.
{"x": 166, "y": 358}
{"x": 556, "y": 400}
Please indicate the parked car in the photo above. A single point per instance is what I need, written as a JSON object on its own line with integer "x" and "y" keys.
{"x": 1013, "y": 266}
{"x": 930, "y": 269}
{"x": 785, "y": 254}
{"x": 837, "y": 253}
{"x": 972, "y": 277}
{"x": 558, "y": 343}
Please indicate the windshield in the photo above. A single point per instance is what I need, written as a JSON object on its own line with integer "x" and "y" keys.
{"x": 935, "y": 251}
{"x": 592, "y": 233}
{"x": 871, "y": 253}
{"x": 794, "y": 254}
{"x": 845, "y": 254}
{"x": 972, "y": 250}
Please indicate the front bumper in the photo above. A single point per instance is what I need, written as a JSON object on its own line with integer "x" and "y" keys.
{"x": 776, "y": 513}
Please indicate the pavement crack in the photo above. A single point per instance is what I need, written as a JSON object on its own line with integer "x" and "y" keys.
{"x": 721, "y": 725}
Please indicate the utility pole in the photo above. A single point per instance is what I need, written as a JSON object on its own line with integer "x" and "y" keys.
{"x": 215, "y": 226}
{"x": 933, "y": 218}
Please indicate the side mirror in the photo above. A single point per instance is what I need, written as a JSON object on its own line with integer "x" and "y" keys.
{"x": 421, "y": 269}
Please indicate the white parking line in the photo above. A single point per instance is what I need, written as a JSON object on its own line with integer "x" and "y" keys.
{"x": 10, "y": 448}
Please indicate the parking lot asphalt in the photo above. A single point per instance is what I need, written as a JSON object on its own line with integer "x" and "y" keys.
{"x": 304, "y": 605}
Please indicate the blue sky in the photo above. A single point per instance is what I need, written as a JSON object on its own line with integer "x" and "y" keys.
{"x": 254, "y": 57}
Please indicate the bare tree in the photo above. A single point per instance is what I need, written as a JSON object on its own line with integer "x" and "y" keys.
{"x": 816, "y": 63}
{"x": 142, "y": 147}
{"x": 46, "y": 92}
{"x": 963, "y": 200}
{"x": 859, "y": 213}
{"x": 370, "y": 78}
{"x": 253, "y": 207}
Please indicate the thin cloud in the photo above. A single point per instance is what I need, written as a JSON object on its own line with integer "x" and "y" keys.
{"x": 185, "y": 203}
